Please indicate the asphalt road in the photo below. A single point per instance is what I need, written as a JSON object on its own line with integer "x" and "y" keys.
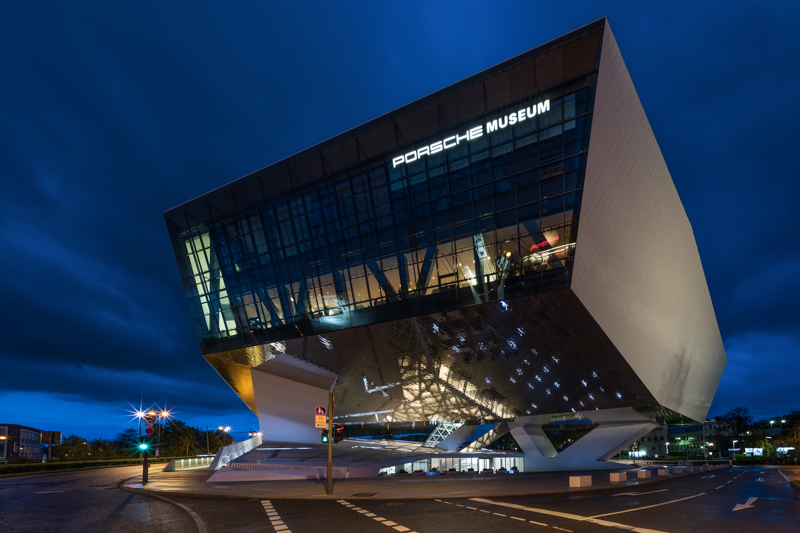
{"x": 704, "y": 502}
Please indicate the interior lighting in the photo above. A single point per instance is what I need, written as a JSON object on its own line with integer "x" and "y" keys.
{"x": 619, "y": 396}
{"x": 594, "y": 374}
{"x": 521, "y": 332}
{"x": 583, "y": 382}
{"x": 546, "y": 369}
{"x": 566, "y": 399}
{"x": 556, "y": 384}
{"x": 548, "y": 392}
{"x": 534, "y": 406}
{"x": 530, "y": 386}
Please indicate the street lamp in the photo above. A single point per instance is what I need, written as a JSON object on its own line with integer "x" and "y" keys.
{"x": 225, "y": 430}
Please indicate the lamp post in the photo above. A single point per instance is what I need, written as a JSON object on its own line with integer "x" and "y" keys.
{"x": 225, "y": 431}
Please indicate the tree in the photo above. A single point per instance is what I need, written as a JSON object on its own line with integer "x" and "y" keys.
{"x": 737, "y": 419}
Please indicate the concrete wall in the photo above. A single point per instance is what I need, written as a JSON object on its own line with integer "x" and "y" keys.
{"x": 286, "y": 408}
{"x": 637, "y": 268}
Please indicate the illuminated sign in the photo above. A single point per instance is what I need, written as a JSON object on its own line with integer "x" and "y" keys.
{"x": 473, "y": 133}
{"x": 545, "y": 243}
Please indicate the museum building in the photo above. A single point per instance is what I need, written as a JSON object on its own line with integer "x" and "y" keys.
{"x": 508, "y": 249}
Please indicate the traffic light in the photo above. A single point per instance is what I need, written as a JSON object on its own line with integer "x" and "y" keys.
{"x": 338, "y": 432}
{"x": 323, "y": 437}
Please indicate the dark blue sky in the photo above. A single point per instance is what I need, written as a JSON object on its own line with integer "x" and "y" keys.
{"x": 114, "y": 112}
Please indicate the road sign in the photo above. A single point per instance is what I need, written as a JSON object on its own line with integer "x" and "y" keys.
{"x": 320, "y": 421}
{"x": 320, "y": 410}
{"x": 149, "y": 431}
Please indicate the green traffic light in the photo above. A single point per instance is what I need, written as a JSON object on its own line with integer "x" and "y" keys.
{"x": 143, "y": 446}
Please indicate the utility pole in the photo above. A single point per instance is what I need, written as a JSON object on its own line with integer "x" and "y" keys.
{"x": 330, "y": 442}
{"x": 208, "y": 449}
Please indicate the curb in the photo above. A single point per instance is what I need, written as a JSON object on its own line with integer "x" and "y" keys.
{"x": 201, "y": 495}
{"x": 198, "y": 522}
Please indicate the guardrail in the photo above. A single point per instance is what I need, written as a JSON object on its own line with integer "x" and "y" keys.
{"x": 186, "y": 464}
{"x": 228, "y": 453}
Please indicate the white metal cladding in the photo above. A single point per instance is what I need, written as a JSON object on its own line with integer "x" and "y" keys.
{"x": 637, "y": 269}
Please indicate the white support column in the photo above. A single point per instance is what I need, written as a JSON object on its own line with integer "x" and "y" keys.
{"x": 617, "y": 428}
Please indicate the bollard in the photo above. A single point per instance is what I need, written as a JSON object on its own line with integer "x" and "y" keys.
{"x": 580, "y": 481}
{"x": 644, "y": 474}
{"x": 689, "y": 469}
{"x": 663, "y": 471}
{"x": 677, "y": 470}
{"x": 617, "y": 477}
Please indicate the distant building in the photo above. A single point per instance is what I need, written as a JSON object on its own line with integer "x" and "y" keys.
{"x": 20, "y": 441}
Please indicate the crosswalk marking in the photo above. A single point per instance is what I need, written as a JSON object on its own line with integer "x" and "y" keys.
{"x": 275, "y": 518}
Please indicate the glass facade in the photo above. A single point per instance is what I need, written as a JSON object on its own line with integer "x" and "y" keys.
{"x": 485, "y": 220}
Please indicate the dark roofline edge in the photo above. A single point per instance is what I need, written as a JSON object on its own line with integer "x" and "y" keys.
{"x": 400, "y": 110}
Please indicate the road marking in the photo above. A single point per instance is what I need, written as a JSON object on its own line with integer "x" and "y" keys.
{"x": 649, "y": 506}
{"x": 569, "y": 516}
{"x": 274, "y": 517}
{"x": 640, "y": 493}
{"x": 708, "y": 477}
{"x": 747, "y": 505}
{"x": 562, "y": 529}
{"x": 48, "y": 491}
{"x": 498, "y": 514}
{"x": 730, "y": 481}
{"x": 380, "y": 519}
{"x": 717, "y": 488}
{"x": 515, "y": 518}
{"x": 784, "y": 476}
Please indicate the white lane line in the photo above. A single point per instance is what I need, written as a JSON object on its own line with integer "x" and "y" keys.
{"x": 569, "y": 516}
{"x": 562, "y": 529}
{"x": 784, "y": 476}
{"x": 498, "y": 514}
{"x": 380, "y": 519}
{"x": 730, "y": 481}
{"x": 649, "y": 506}
{"x": 274, "y": 517}
{"x": 639, "y": 493}
{"x": 717, "y": 488}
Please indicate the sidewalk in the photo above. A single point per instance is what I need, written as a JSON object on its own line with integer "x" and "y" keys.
{"x": 193, "y": 483}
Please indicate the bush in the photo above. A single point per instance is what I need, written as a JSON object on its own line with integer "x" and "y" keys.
{"x": 419, "y": 471}
{"x": 24, "y": 468}
{"x": 402, "y": 471}
{"x": 514, "y": 468}
{"x": 434, "y": 469}
{"x": 451, "y": 469}
{"x": 470, "y": 469}
{"x": 501, "y": 469}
